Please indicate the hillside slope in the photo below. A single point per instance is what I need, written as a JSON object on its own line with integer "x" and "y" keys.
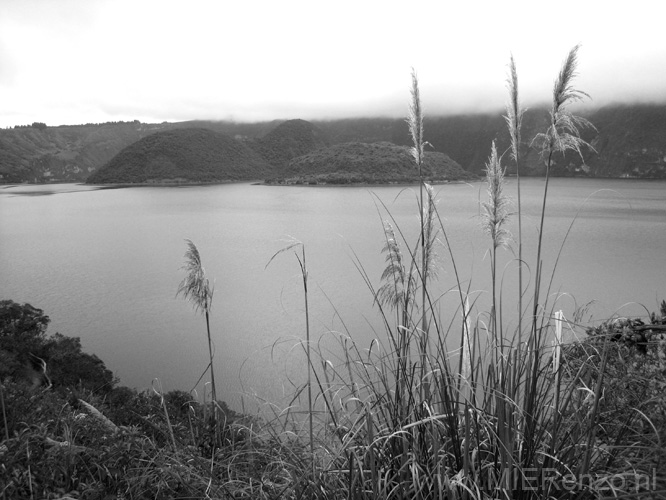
{"x": 631, "y": 141}
{"x": 67, "y": 153}
{"x": 287, "y": 141}
{"x": 182, "y": 156}
{"x": 380, "y": 162}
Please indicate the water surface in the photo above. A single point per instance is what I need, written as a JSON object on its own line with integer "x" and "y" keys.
{"x": 104, "y": 264}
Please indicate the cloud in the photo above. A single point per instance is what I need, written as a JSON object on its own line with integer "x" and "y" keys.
{"x": 77, "y": 61}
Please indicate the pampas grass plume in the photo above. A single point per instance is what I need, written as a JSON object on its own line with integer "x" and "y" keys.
{"x": 495, "y": 211}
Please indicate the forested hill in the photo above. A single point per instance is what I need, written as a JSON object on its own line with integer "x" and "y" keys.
{"x": 378, "y": 162}
{"x": 39, "y": 153}
{"x": 289, "y": 140}
{"x": 183, "y": 155}
{"x": 629, "y": 142}
{"x": 71, "y": 153}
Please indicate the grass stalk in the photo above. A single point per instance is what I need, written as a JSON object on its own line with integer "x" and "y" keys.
{"x": 27, "y": 451}
{"x": 304, "y": 274}
{"x": 294, "y": 244}
{"x": 160, "y": 393}
{"x": 4, "y": 413}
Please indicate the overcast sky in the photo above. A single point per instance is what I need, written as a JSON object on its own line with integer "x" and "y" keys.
{"x": 80, "y": 61}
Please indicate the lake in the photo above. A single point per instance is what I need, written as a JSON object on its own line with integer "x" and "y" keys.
{"x": 104, "y": 264}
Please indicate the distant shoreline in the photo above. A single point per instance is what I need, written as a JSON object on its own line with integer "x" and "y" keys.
{"x": 256, "y": 182}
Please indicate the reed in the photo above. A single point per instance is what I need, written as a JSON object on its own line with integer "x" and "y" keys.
{"x": 514, "y": 121}
{"x": 415, "y": 124}
{"x": 562, "y": 135}
{"x": 494, "y": 218}
{"x": 196, "y": 289}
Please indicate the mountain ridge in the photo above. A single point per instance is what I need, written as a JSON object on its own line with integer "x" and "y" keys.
{"x": 630, "y": 141}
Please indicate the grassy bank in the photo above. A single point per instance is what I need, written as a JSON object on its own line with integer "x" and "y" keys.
{"x": 54, "y": 446}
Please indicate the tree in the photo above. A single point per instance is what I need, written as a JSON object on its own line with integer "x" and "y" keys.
{"x": 69, "y": 366}
{"x": 25, "y": 345}
{"x": 22, "y": 331}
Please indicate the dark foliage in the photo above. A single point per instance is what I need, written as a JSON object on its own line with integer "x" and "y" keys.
{"x": 84, "y": 438}
{"x": 633, "y": 403}
{"x": 634, "y": 333}
{"x": 24, "y": 345}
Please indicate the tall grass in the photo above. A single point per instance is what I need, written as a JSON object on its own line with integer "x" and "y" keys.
{"x": 410, "y": 417}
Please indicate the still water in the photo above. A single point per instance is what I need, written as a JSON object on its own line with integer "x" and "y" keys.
{"x": 104, "y": 264}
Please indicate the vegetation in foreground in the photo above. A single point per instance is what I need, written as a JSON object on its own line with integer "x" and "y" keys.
{"x": 513, "y": 412}
{"x": 55, "y": 444}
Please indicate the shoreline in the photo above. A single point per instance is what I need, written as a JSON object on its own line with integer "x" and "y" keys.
{"x": 256, "y": 182}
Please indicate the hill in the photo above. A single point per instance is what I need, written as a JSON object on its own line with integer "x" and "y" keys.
{"x": 182, "y": 156}
{"x": 628, "y": 142}
{"x": 70, "y": 153}
{"x": 289, "y": 140}
{"x": 64, "y": 154}
{"x": 631, "y": 142}
{"x": 380, "y": 162}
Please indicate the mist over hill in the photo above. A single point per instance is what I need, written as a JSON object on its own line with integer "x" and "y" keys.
{"x": 629, "y": 141}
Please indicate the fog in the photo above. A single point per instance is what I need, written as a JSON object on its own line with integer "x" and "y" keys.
{"x": 82, "y": 61}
